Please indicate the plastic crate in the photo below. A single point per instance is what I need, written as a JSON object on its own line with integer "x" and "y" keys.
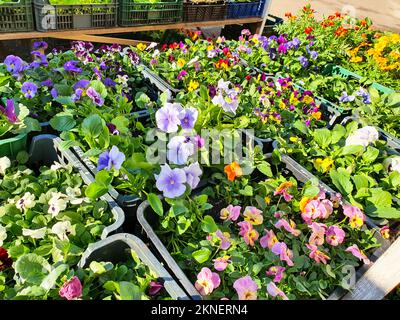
{"x": 204, "y": 12}
{"x": 270, "y": 24}
{"x": 331, "y": 69}
{"x": 74, "y": 17}
{"x": 11, "y": 146}
{"x": 116, "y": 249}
{"x": 144, "y": 13}
{"x": 16, "y": 16}
{"x": 237, "y": 10}
{"x": 45, "y": 150}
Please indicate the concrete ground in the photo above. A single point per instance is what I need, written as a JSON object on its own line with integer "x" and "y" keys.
{"x": 384, "y": 13}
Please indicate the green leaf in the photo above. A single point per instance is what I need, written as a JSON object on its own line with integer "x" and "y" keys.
{"x": 62, "y": 122}
{"x": 265, "y": 168}
{"x": 128, "y": 291}
{"x": 142, "y": 100}
{"x": 32, "y": 268}
{"x": 95, "y": 190}
{"x": 208, "y": 225}
{"x": 122, "y": 124}
{"x": 301, "y": 126}
{"x": 361, "y": 181}
{"x": 311, "y": 191}
{"x": 383, "y": 212}
{"x": 380, "y": 198}
{"x": 247, "y": 191}
{"x": 99, "y": 87}
{"x": 322, "y": 137}
{"x": 201, "y": 255}
{"x": 104, "y": 178}
{"x": 52, "y": 277}
{"x": 353, "y": 149}
{"x": 99, "y": 268}
{"x": 370, "y": 155}
{"x": 93, "y": 126}
{"x": 183, "y": 224}
{"x": 341, "y": 180}
{"x": 155, "y": 204}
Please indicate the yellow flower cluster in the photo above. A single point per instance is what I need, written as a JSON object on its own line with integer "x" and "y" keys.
{"x": 386, "y": 52}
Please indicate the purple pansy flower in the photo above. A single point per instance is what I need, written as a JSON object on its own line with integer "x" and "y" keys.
{"x": 72, "y": 66}
{"x": 364, "y": 94}
{"x": 112, "y": 128}
{"x": 155, "y": 288}
{"x": 188, "y": 118}
{"x": 193, "y": 174}
{"x": 198, "y": 141}
{"x": 180, "y": 148}
{"x": 303, "y": 61}
{"x": 97, "y": 72}
{"x": 167, "y": 117}
{"x": 109, "y": 82}
{"x": 95, "y": 96}
{"x": 82, "y": 84}
{"x": 225, "y": 242}
{"x": 346, "y": 98}
{"x": 171, "y": 182}
{"x": 77, "y": 95}
{"x": 181, "y": 74}
{"x": 40, "y": 45}
{"x": 54, "y": 93}
{"x": 9, "y": 111}
{"x": 14, "y": 64}
{"x": 313, "y": 54}
{"x": 111, "y": 159}
{"x": 47, "y": 83}
{"x": 29, "y": 89}
{"x": 282, "y": 48}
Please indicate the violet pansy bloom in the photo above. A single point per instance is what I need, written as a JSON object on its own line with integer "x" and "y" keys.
{"x": 193, "y": 174}
{"x": 77, "y": 95}
{"x": 111, "y": 159}
{"x": 72, "y": 66}
{"x": 109, "y": 82}
{"x": 47, "y": 83}
{"x": 188, "y": 118}
{"x": 155, "y": 287}
{"x": 40, "y": 45}
{"x": 29, "y": 89}
{"x": 54, "y": 93}
{"x": 207, "y": 281}
{"x": 355, "y": 251}
{"x": 198, "y": 141}
{"x": 9, "y": 111}
{"x": 180, "y": 148}
{"x": 81, "y": 84}
{"x": 346, "y": 98}
{"x": 274, "y": 291}
{"x": 167, "y": 117}
{"x": 95, "y": 96}
{"x": 303, "y": 61}
{"x": 171, "y": 181}
{"x": 246, "y": 288}
{"x": 14, "y": 64}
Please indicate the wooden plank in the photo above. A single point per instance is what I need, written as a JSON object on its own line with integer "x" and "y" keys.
{"x": 101, "y": 39}
{"x": 381, "y": 278}
{"x": 181, "y": 25}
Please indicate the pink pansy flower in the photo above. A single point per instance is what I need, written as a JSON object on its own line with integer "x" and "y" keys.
{"x": 246, "y": 288}
{"x": 335, "y": 236}
{"x": 276, "y": 272}
{"x": 71, "y": 289}
{"x": 355, "y": 251}
{"x": 209, "y": 237}
{"x": 311, "y": 210}
{"x": 285, "y": 254}
{"x": 326, "y": 207}
{"x": 321, "y": 195}
{"x": 249, "y": 234}
{"x": 274, "y": 291}
{"x": 224, "y": 237}
{"x": 289, "y": 227}
{"x": 207, "y": 281}
{"x": 279, "y": 214}
{"x": 253, "y": 215}
{"x": 356, "y": 217}
{"x": 269, "y": 239}
{"x": 221, "y": 263}
{"x": 230, "y": 213}
{"x": 318, "y": 233}
{"x": 336, "y": 198}
{"x": 285, "y": 195}
{"x": 317, "y": 255}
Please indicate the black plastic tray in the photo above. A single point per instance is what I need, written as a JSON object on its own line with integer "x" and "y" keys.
{"x": 45, "y": 150}
{"x": 116, "y": 249}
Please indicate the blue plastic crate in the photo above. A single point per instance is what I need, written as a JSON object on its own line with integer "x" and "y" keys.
{"x": 238, "y": 10}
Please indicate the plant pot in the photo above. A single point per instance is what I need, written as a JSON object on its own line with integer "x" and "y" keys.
{"x": 11, "y": 146}
{"x": 117, "y": 248}
{"x": 82, "y": 21}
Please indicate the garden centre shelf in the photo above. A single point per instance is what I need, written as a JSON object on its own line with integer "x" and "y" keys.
{"x": 95, "y": 35}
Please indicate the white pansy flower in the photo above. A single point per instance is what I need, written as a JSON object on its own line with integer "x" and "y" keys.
{"x": 5, "y": 163}
{"x": 62, "y": 229}
{"x": 3, "y": 234}
{"x": 156, "y": 53}
{"x": 26, "y": 202}
{"x": 57, "y": 203}
{"x": 123, "y": 80}
{"x": 56, "y": 166}
{"x": 35, "y": 234}
{"x": 152, "y": 45}
{"x": 73, "y": 195}
{"x": 392, "y": 164}
{"x": 195, "y": 59}
{"x": 363, "y": 136}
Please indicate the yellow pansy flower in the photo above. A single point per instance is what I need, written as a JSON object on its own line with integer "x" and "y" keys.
{"x": 141, "y": 46}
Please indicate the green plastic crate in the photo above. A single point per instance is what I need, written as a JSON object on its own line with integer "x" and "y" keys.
{"x": 16, "y": 16}
{"x": 331, "y": 69}
{"x": 144, "y": 13}
{"x": 10, "y": 147}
